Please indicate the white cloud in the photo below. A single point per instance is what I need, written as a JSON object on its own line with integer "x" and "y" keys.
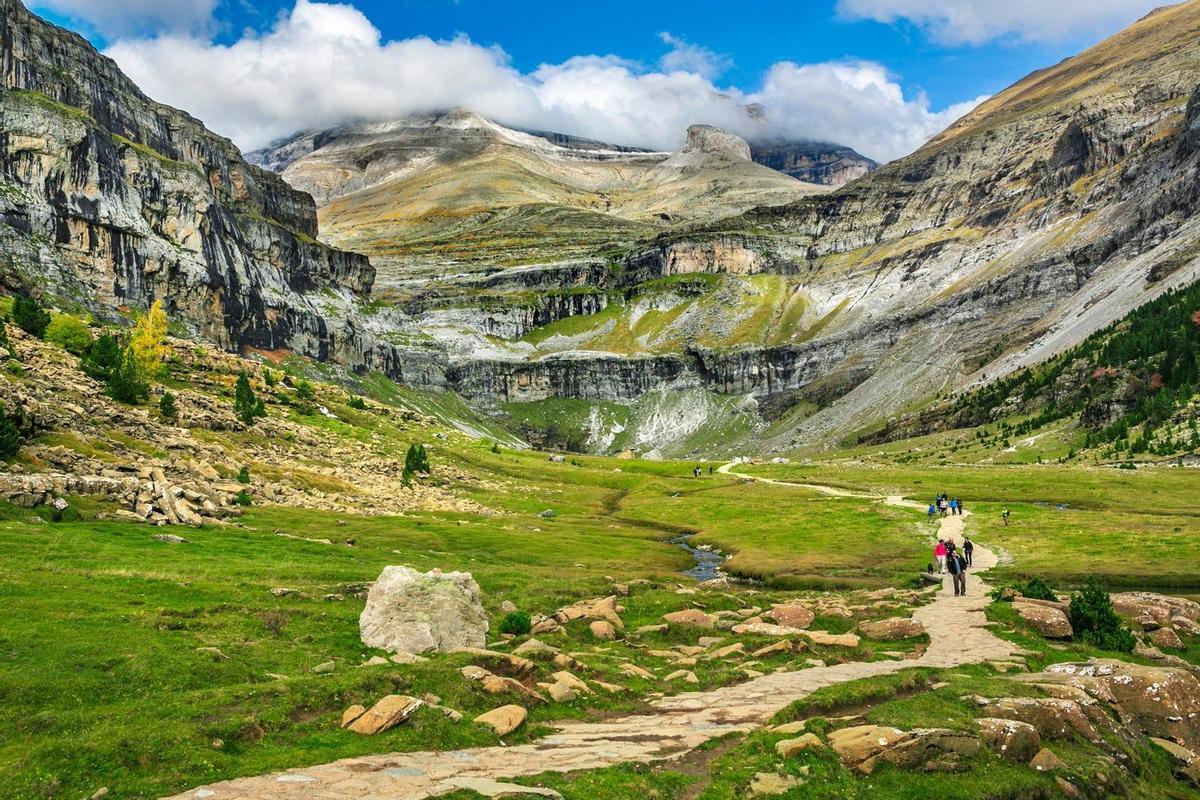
{"x": 687, "y": 57}
{"x": 957, "y": 22}
{"x": 323, "y": 64}
{"x": 115, "y": 18}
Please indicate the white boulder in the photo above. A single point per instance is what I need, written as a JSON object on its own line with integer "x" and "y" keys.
{"x": 414, "y": 612}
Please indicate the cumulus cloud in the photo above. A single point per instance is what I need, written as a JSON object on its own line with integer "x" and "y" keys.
{"x": 958, "y": 22}
{"x": 116, "y": 18}
{"x": 687, "y": 57}
{"x": 324, "y": 64}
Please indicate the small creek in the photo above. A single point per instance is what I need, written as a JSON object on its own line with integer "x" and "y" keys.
{"x": 708, "y": 562}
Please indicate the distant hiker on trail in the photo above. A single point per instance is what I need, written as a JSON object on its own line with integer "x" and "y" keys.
{"x": 953, "y": 507}
{"x": 1004, "y": 514}
{"x": 932, "y": 510}
{"x": 710, "y": 469}
{"x": 942, "y": 506}
{"x": 939, "y": 553}
{"x": 968, "y": 550}
{"x": 958, "y": 502}
{"x": 958, "y": 570}
{"x": 951, "y": 548}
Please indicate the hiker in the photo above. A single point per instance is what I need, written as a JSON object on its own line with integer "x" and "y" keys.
{"x": 958, "y": 570}
{"x": 960, "y": 506}
{"x": 953, "y": 507}
{"x": 951, "y": 548}
{"x": 968, "y": 550}
{"x": 1004, "y": 514}
{"x": 939, "y": 553}
{"x": 710, "y": 469}
{"x": 932, "y": 510}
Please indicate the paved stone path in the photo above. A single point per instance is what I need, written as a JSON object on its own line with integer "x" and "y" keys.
{"x": 672, "y": 726}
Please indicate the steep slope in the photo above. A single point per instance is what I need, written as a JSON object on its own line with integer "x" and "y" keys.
{"x": 457, "y": 189}
{"x": 109, "y": 200}
{"x": 1046, "y": 214}
{"x": 813, "y": 162}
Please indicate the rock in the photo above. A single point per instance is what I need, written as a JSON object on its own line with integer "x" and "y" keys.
{"x": 771, "y": 783}
{"x": 509, "y": 664}
{"x": 836, "y": 640}
{"x": 611, "y": 688}
{"x": 1015, "y": 741}
{"x": 1046, "y": 761}
{"x": 535, "y": 649}
{"x": 763, "y": 629}
{"x": 283, "y": 591}
{"x": 790, "y": 747}
{"x": 1053, "y": 718}
{"x": 1159, "y": 607}
{"x": 502, "y": 684}
{"x": 863, "y": 747}
{"x": 169, "y": 538}
{"x": 645, "y": 629}
{"x": 567, "y": 679}
{"x": 893, "y": 629}
{"x": 1070, "y": 790}
{"x": 1178, "y": 753}
{"x": 603, "y": 629}
{"x": 352, "y": 713}
{"x": 412, "y": 612}
{"x": 375, "y": 661}
{"x": 791, "y": 615}
{"x": 561, "y": 693}
{"x": 686, "y": 676}
{"x": 99, "y": 793}
{"x": 602, "y": 609}
{"x": 215, "y": 652}
{"x": 1166, "y": 637}
{"x": 324, "y": 668}
{"x": 735, "y": 649}
{"x": 407, "y": 658}
{"x": 690, "y": 616}
{"x": 1161, "y": 701}
{"x": 779, "y": 648}
{"x": 503, "y": 720}
{"x": 508, "y": 607}
{"x": 386, "y": 714}
{"x": 1186, "y": 626}
{"x": 1047, "y": 620}
{"x": 635, "y": 671}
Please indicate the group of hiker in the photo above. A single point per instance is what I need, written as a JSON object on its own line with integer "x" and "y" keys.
{"x": 944, "y": 504}
{"x": 950, "y": 558}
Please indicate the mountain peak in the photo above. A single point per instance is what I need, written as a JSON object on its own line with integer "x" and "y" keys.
{"x": 717, "y": 142}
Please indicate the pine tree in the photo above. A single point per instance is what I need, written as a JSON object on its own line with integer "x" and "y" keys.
{"x": 245, "y": 405}
{"x": 125, "y": 383}
{"x": 166, "y": 404}
{"x": 101, "y": 358}
{"x": 30, "y": 316}
{"x": 10, "y": 436}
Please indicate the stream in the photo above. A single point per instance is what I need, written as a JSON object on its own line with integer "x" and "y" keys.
{"x": 708, "y": 562}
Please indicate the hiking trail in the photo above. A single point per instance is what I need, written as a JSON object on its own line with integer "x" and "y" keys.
{"x": 671, "y": 727}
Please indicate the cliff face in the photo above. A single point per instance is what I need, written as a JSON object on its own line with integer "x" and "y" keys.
{"x": 109, "y": 199}
{"x": 813, "y": 162}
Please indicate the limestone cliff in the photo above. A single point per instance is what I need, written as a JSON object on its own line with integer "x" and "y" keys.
{"x": 111, "y": 200}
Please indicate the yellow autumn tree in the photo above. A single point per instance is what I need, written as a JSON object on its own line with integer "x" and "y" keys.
{"x": 148, "y": 341}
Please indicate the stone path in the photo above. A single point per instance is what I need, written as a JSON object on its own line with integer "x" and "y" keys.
{"x": 672, "y": 726}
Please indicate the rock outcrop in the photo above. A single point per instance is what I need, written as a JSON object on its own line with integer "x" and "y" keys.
{"x": 413, "y": 612}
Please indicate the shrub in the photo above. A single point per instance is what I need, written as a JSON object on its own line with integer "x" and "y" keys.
{"x": 357, "y": 403}
{"x": 245, "y": 404}
{"x": 1037, "y": 589}
{"x": 30, "y": 317}
{"x": 101, "y": 358}
{"x": 166, "y": 404}
{"x": 148, "y": 340}
{"x": 496, "y": 447}
{"x": 415, "y": 461}
{"x": 243, "y": 475}
{"x": 10, "y": 437}
{"x": 69, "y": 333}
{"x": 243, "y": 498}
{"x": 516, "y": 623}
{"x": 125, "y": 383}
{"x": 269, "y": 378}
{"x": 1096, "y": 623}
{"x": 305, "y": 395}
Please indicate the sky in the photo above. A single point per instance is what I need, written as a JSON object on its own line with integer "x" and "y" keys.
{"x": 881, "y": 76}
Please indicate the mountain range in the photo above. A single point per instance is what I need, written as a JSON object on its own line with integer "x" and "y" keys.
{"x": 603, "y": 297}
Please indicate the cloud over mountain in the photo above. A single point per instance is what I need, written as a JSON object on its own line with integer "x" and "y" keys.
{"x": 325, "y": 63}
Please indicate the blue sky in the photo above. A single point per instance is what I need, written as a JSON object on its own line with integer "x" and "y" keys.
{"x": 880, "y": 75}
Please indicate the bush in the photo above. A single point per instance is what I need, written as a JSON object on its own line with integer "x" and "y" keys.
{"x": 269, "y": 378}
{"x": 305, "y": 395}
{"x": 69, "y": 333}
{"x": 1096, "y": 623}
{"x": 245, "y": 404}
{"x": 243, "y": 498}
{"x": 30, "y": 317}
{"x": 517, "y": 623}
{"x": 166, "y": 404}
{"x": 357, "y": 403}
{"x": 1036, "y": 589}
{"x": 101, "y": 358}
{"x": 415, "y": 461}
{"x": 496, "y": 447}
{"x": 10, "y": 437}
{"x": 243, "y": 475}
{"x": 125, "y": 383}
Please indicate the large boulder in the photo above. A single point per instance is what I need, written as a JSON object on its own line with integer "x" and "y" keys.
{"x": 864, "y": 747}
{"x": 1054, "y": 718}
{"x": 790, "y": 615}
{"x": 413, "y": 612}
{"x": 1160, "y": 701}
{"x": 384, "y": 715}
{"x": 1046, "y": 619}
{"x": 503, "y": 720}
{"x": 1158, "y": 608}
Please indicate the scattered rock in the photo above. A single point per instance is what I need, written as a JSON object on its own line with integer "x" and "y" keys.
{"x": 603, "y": 629}
{"x": 1048, "y": 620}
{"x": 864, "y": 747}
{"x": 169, "y": 538}
{"x": 413, "y": 612}
{"x": 284, "y": 591}
{"x": 682, "y": 674}
{"x": 690, "y": 616}
{"x": 637, "y": 672}
{"x": 1016, "y": 741}
{"x": 535, "y": 649}
{"x": 499, "y": 790}
{"x": 785, "y": 647}
{"x": 384, "y": 715}
{"x": 324, "y": 668}
{"x": 1054, "y": 718}
{"x": 375, "y": 661}
{"x": 791, "y": 615}
{"x": 790, "y": 747}
{"x": 215, "y": 652}
{"x": 829, "y": 639}
{"x": 771, "y": 783}
{"x": 508, "y": 607}
{"x": 893, "y": 629}
{"x": 1046, "y": 761}
{"x": 352, "y": 713}
{"x": 503, "y": 720}
{"x": 1166, "y": 637}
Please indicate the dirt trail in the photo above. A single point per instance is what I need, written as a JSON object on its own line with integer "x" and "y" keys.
{"x": 672, "y": 726}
